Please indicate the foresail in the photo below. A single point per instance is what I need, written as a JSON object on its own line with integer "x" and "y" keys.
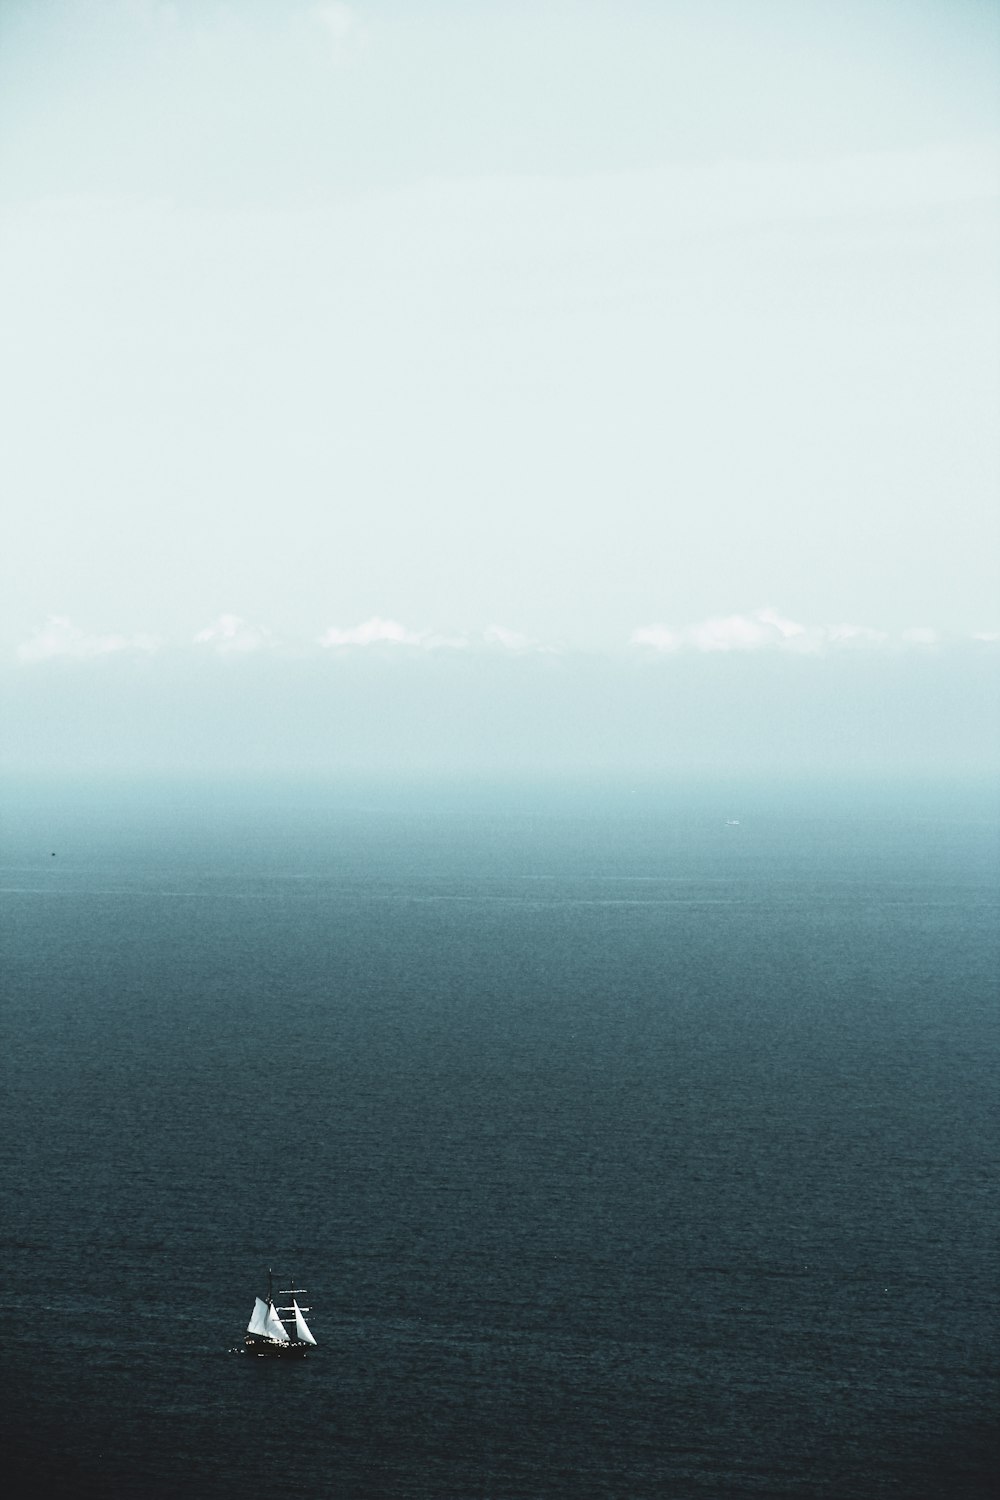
{"x": 275, "y": 1328}
{"x": 301, "y": 1326}
{"x": 258, "y": 1322}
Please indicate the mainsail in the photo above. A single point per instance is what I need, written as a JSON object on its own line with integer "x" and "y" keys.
{"x": 275, "y": 1327}
{"x": 258, "y": 1322}
{"x": 265, "y": 1322}
{"x": 301, "y": 1326}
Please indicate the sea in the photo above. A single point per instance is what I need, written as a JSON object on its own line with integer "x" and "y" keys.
{"x": 633, "y": 1139}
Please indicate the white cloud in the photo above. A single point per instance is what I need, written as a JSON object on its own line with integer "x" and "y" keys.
{"x": 381, "y": 632}
{"x": 510, "y": 640}
{"x": 60, "y": 637}
{"x": 854, "y": 635}
{"x": 766, "y": 629}
{"x": 658, "y": 637}
{"x": 733, "y": 633}
{"x": 787, "y": 629}
{"x": 753, "y": 632}
{"x": 231, "y": 633}
{"x": 514, "y": 641}
{"x": 373, "y": 632}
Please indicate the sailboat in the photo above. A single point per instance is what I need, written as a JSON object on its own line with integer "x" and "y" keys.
{"x": 267, "y": 1333}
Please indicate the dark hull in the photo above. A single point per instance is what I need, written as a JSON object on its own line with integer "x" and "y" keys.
{"x": 271, "y": 1349}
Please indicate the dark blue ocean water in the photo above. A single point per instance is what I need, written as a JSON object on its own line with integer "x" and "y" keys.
{"x": 623, "y": 1153}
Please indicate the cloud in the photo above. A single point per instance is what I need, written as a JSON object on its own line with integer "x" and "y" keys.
{"x": 510, "y": 640}
{"x": 789, "y": 630}
{"x": 737, "y": 633}
{"x": 381, "y": 632}
{"x": 231, "y": 633}
{"x": 373, "y": 632}
{"x": 658, "y": 637}
{"x": 854, "y": 635}
{"x": 763, "y": 628}
{"x": 59, "y": 637}
{"x": 766, "y": 629}
{"x": 513, "y": 641}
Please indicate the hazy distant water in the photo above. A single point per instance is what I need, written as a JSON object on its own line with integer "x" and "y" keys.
{"x": 624, "y": 1154}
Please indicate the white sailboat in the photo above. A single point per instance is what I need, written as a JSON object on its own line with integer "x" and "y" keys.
{"x": 270, "y": 1334}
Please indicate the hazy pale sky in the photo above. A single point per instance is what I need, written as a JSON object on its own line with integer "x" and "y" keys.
{"x": 667, "y": 329}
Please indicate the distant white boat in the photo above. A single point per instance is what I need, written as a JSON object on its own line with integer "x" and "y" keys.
{"x": 267, "y": 1334}
{"x": 732, "y": 822}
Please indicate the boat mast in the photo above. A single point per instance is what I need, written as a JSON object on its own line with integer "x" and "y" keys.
{"x": 293, "y": 1292}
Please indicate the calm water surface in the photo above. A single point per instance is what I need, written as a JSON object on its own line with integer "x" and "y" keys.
{"x": 624, "y": 1153}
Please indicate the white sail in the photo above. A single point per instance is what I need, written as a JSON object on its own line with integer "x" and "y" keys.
{"x": 275, "y": 1327}
{"x": 301, "y": 1326}
{"x": 258, "y": 1322}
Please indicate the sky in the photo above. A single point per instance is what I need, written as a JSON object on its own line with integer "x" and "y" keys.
{"x": 406, "y": 376}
